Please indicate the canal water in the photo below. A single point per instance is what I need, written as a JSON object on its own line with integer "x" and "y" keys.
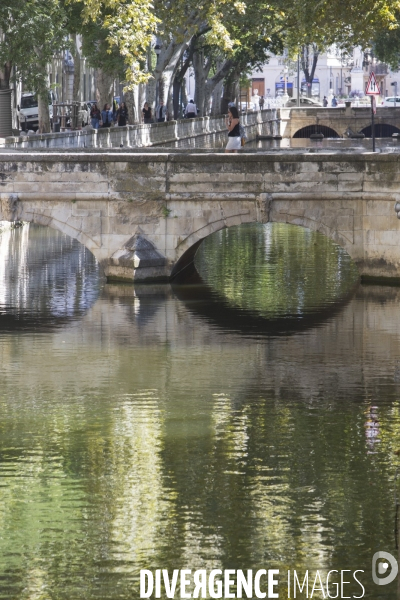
{"x": 248, "y": 419}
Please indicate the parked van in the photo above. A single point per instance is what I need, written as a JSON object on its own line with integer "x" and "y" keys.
{"x": 28, "y": 110}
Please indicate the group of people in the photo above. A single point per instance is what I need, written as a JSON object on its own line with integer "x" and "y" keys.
{"x": 107, "y": 116}
{"x": 161, "y": 112}
{"x": 334, "y": 102}
{"x": 119, "y": 116}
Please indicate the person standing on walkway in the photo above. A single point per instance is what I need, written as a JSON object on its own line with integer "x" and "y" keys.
{"x": 122, "y": 115}
{"x": 161, "y": 112}
{"x": 95, "y": 116}
{"x": 334, "y": 102}
{"x": 146, "y": 112}
{"x": 234, "y": 140}
{"x": 191, "y": 110}
{"x": 115, "y": 110}
{"x": 261, "y": 103}
{"x": 325, "y": 102}
{"x": 106, "y": 116}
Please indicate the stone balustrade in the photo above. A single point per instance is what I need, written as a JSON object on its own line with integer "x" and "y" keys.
{"x": 143, "y": 135}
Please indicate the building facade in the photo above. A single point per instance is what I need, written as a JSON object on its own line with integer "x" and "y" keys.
{"x": 336, "y": 73}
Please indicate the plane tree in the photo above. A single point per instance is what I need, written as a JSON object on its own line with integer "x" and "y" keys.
{"x": 32, "y": 31}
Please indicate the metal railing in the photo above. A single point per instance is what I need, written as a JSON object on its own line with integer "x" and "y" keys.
{"x": 68, "y": 111}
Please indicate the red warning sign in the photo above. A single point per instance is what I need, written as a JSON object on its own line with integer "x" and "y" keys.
{"x": 372, "y": 86}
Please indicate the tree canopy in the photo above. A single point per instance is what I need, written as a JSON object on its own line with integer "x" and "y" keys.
{"x": 222, "y": 39}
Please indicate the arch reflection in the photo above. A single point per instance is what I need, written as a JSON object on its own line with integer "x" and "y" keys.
{"x": 268, "y": 278}
{"x": 46, "y": 278}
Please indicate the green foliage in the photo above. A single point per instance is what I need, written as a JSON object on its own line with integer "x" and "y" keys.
{"x": 166, "y": 211}
{"x": 95, "y": 45}
{"x": 118, "y": 31}
{"x": 387, "y": 47}
{"x": 33, "y": 31}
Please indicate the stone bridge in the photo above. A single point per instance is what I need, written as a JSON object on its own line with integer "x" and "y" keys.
{"x": 143, "y": 216}
{"x": 293, "y": 120}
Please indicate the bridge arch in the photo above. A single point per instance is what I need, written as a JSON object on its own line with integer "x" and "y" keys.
{"x": 62, "y": 227}
{"x": 11, "y": 212}
{"x": 382, "y": 130}
{"x": 308, "y": 130}
{"x": 188, "y": 247}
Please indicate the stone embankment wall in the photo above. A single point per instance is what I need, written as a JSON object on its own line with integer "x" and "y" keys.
{"x": 144, "y": 215}
{"x": 140, "y": 136}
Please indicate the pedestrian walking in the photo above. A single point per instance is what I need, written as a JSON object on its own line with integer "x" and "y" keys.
{"x": 161, "y": 112}
{"x": 234, "y": 139}
{"x": 334, "y": 102}
{"x": 122, "y": 115}
{"x": 325, "y": 102}
{"x": 261, "y": 102}
{"x": 95, "y": 116}
{"x": 146, "y": 113}
{"x": 191, "y": 110}
{"x": 106, "y": 116}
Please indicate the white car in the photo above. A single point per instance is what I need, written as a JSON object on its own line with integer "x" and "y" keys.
{"x": 28, "y": 110}
{"x": 391, "y": 101}
{"x": 310, "y": 102}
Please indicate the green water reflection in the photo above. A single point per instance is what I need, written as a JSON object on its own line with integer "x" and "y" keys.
{"x": 138, "y": 434}
{"x": 276, "y": 269}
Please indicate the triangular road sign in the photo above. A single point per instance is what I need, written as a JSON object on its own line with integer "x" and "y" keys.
{"x": 372, "y": 86}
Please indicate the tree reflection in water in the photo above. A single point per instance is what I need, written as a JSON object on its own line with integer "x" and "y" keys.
{"x": 141, "y": 434}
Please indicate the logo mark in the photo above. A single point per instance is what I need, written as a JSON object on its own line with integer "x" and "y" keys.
{"x": 380, "y": 568}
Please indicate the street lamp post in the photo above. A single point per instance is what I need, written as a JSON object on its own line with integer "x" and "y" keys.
{"x": 157, "y": 50}
{"x": 298, "y": 79}
{"x": 285, "y": 96}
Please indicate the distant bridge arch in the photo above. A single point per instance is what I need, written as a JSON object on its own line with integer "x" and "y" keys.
{"x": 308, "y": 130}
{"x": 357, "y": 118}
{"x": 382, "y": 130}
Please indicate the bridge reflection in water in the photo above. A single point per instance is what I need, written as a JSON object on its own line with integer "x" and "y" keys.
{"x": 143, "y": 431}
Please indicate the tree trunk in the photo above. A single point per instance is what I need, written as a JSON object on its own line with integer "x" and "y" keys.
{"x": 104, "y": 88}
{"x": 179, "y": 85}
{"x": 164, "y": 72}
{"x": 5, "y": 74}
{"x": 216, "y": 99}
{"x": 43, "y": 111}
{"x": 142, "y": 98}
{"x": 305, "y": 65}
{"x": 184, "y": 93}
{"x": 77, "y": 70}
{"x": 227, "y": 95}
{"x": 169, "y": 76}
{"x": 132, "y": 101}
{"x": 176, "y": 93}
{"x": 222, "y": 72}
{"x": 200, "y": 80}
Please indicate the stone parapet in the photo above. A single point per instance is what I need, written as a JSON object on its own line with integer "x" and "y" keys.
{"x": 141, "y": 135}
